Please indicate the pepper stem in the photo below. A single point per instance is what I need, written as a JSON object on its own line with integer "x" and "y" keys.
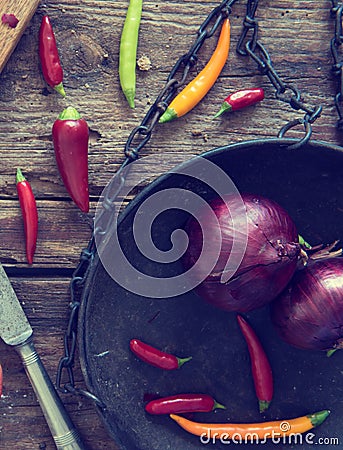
{"x": 19, "y": 178}
{"x": 263, "y": 405}
{"x": 60, "y": 89}
{"x": 182, "y": 361}
{"x": 69, "y": 113}
{"x": 318, "y": 417}
{"x": 168, "y": 115}
{"x": 225, "y": 107}
{"x": 331, "y": 352}
{"x": 217, "y": 405}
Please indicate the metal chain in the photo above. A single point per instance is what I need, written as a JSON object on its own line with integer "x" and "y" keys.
{"x": 336, "y": 50}
{"x": 249, "y": 45}
{"x": 137, "y": 139}
{"x": 181, "y": 69}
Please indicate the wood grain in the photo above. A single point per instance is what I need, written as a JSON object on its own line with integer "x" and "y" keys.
{"x": 9, "y": 37}
{"x": 22, "y": 425}
{"x": 297, "y": 36}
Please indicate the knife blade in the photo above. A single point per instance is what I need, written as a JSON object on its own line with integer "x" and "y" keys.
{"x": 15, "y": 330}
{"x": 14, "y": 326}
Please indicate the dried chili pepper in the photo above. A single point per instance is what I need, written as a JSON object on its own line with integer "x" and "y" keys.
{"x": 10, "y": 20}
{"x": 155, "y": 357}
{"x": 260, "y": 366}
{"x": 241, "y": 99}
{"x": 191, "y": 95}
{"x": 183, "y": 403}
{"x": 70, "y": 136}
{"x": 29, "y": 212}
{"x": 252, "y": 431}
{"x": 128, "y": 50}
{"x": 49, "y": 57}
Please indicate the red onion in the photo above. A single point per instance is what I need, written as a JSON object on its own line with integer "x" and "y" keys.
{"x": 309, "y": 313}
{"x": 267, "y": 238}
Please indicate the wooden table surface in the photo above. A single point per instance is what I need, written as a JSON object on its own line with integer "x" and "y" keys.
{"x": 297, "y": 35}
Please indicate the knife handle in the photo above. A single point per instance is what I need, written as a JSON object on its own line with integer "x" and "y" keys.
{"x": 62, "y": 429}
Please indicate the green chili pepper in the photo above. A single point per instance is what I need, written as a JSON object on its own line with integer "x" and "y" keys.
{"x": 128, "y": 50}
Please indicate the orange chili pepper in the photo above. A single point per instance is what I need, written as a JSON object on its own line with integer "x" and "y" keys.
{"x": 252, "y": 431}
{"x": 191, "y": 95}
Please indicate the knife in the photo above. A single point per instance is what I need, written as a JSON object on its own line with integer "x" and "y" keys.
{"x": 15, "y": 330}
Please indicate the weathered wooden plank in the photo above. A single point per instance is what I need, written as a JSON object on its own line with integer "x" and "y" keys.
{"x": 23, "y": 426}
{"x": 62, "y": 232}
{"x": 297, "y": 36}
{"x": 90, "y": 62}
{"x": 23, "y": 10}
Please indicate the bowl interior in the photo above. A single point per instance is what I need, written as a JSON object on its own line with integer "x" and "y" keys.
{"x": 308, "y": 183}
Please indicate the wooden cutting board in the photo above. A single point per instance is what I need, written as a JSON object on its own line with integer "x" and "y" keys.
{"x": 9, "y": 37}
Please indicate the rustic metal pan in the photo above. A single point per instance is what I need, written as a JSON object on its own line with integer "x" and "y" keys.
{"x": 308, "y": 182}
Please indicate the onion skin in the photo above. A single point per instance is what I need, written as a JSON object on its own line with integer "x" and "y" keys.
{"x": 269, "y": 260}
{"x": 309, "y": 313}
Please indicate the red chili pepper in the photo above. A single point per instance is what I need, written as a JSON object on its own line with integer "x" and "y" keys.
{"x": 29, "y": 211}
{"x": 155, "y": 357}
{"x": 49, "y": 57}
{"x": 183, "y": 403}
{"x": 70, "y": 135}
{"x": 260, "y": 366}
{"x": 241, "y": 99}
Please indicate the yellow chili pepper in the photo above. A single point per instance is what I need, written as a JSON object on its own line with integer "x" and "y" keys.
{"x": 191, "y": 95}
{"x": 252, "y": 431}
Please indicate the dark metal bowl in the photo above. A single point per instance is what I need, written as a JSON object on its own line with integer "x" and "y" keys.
{"x": 308, "y": 183}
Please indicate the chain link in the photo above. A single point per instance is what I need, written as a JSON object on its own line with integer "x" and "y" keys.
{"x": 66, "y": 363}
{"x": 175, "y": 80}
{"x": 137, "y": 139}
{"x": 336, "y": 51}
{"x": 249, "y": 45}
